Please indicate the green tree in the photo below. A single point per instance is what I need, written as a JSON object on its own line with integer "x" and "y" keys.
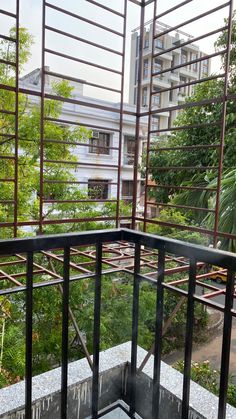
{"x": 201, "y": 156}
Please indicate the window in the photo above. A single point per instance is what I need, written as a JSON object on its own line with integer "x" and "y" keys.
{"x": 144, "y": 97}
{"x": 155, "y": 123}
{"x": 157, "y": 66}
{"x": 182, "y": 90}
{"x": 173, "y": 64}
{"x": 135, "y": 95}
{"x": 184, "y": 57}
{"x": 171, "y": 93}
{"x": 129, "y": 149}
{"x": 159, "y": 43}
{"x": 127, "y": 189}
{"x": 156, "y": 99}
{"x": 99, "y": 143}
{"x": 194, "y": 65}
{"x": 137, "y": 45}
{"x": 146, "y": 40}
{"x": 98, "y": 189}
{"x": 136, "y": 71}
{"x": 205, "y": 67}
{"x": 145, "y": 69}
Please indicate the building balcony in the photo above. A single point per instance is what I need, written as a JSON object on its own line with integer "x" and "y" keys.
{"x": 122, "y": 381}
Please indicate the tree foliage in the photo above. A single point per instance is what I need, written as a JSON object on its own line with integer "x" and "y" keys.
{"x": 203, "y": 156}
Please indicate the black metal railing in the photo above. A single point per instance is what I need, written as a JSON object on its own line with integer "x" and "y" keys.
{"x": 164, "y": 248}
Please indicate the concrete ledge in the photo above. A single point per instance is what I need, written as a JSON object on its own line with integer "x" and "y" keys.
{"x": 113, "y": 386}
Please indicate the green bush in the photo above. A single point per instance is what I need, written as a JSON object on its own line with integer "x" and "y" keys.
{"x": 207, "y": 377}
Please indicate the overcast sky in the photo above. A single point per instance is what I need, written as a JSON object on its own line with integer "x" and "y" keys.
{"x": 31, "y": 18}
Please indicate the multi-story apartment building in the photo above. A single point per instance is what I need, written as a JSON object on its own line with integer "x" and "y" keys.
{"x": 166, "y": 60}
{"x": 98, "y": 167}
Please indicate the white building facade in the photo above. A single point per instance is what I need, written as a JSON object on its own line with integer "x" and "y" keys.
{"x": 97, "y": 168}
{"x": 165, "y": 60}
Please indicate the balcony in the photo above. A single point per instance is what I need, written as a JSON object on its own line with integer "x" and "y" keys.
{"x": 123, "y": 379}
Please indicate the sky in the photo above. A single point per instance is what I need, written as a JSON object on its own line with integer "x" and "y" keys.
{"x": 31, "y": 18}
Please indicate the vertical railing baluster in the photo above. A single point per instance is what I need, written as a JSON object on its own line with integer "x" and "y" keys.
{"x": 29, "y": 329}
{"x": 158, "y": 334}
{"x": 135, "y": 314}
{"x": 96, "y": 330}
{"x": 65, "y": 317}
{"x": 189, "y": 338}
{"x": 225, "y": 353}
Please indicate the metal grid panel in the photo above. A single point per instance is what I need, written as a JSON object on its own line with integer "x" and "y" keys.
{"x": 154, "y": 147}
{"x": 165, "y": 250}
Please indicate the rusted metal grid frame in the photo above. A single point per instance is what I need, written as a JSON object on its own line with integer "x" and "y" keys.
{"x": 46, "y": 28}
{"x": 4, "y": 137}
{"x": 165, "y": 250}
{"x": 215, "y": 233}
{"x": 118, "y": 257}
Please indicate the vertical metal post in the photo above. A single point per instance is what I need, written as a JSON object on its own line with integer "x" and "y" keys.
{"x": 17, "y": 46}
{"x": 41, "y": 157}
{"x": 158, "y": 334}
{"x": 64, "y": 339}
{"x": 96, "y": 330}
{"x": 135, "y": 315}
{"x": 121, "y": 118}
{"x": 224, "y": 110}
{"x": 149, "y": 116}
{"x": 226, "y": 340}
{"x": 138, "y": 109}
{"x": 189, "y": 338}
{"x": 29, "y": 329}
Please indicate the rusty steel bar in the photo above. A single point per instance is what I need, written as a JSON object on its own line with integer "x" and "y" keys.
{"x": 187, "y": 207}
{"x": 61, "y": 221}
{"x": 186, "y": 147}
{"x": 76, "y": 201}
{"x": 41, "y": 188}
{"x": 185, "y": 127}
{"x": 224, "y": 110}
{"x": 83, "y": 40}
{"x": 191, "y": 83}
{"x": 121, "y": 117}
{"x": 191, "y": 41}
{"x": 7, "y": 38}
{"x": 83, "y": 19}
{"x": 176, "y": 67}
{"x": 70, "y": 78}
{"x": 66, "y": 121}
{"x": 149, "y": 117}
{"x": 176, "y": 168}
{"x": 16, "y": 118}
{"x": 187, "y": 105}
{"x": 81, "y": 103}
{"x": 187, "y": 188}
{"x": 194, "y": 19}
{"x": 108, "y": 9}
{"x": 6, "y": 13}
{"x": 78, "y": 60}
{"x": 79, "y": 144}
{"x": 80, "y": 163}
{"x": 138, "y": 110}
{"x": 173, "y": 9}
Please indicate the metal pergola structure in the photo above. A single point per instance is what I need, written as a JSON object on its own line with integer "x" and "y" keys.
{"x": 121, "y": 253}
{"x": 116, "y": 256}
{"x": 119, "y": 12}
